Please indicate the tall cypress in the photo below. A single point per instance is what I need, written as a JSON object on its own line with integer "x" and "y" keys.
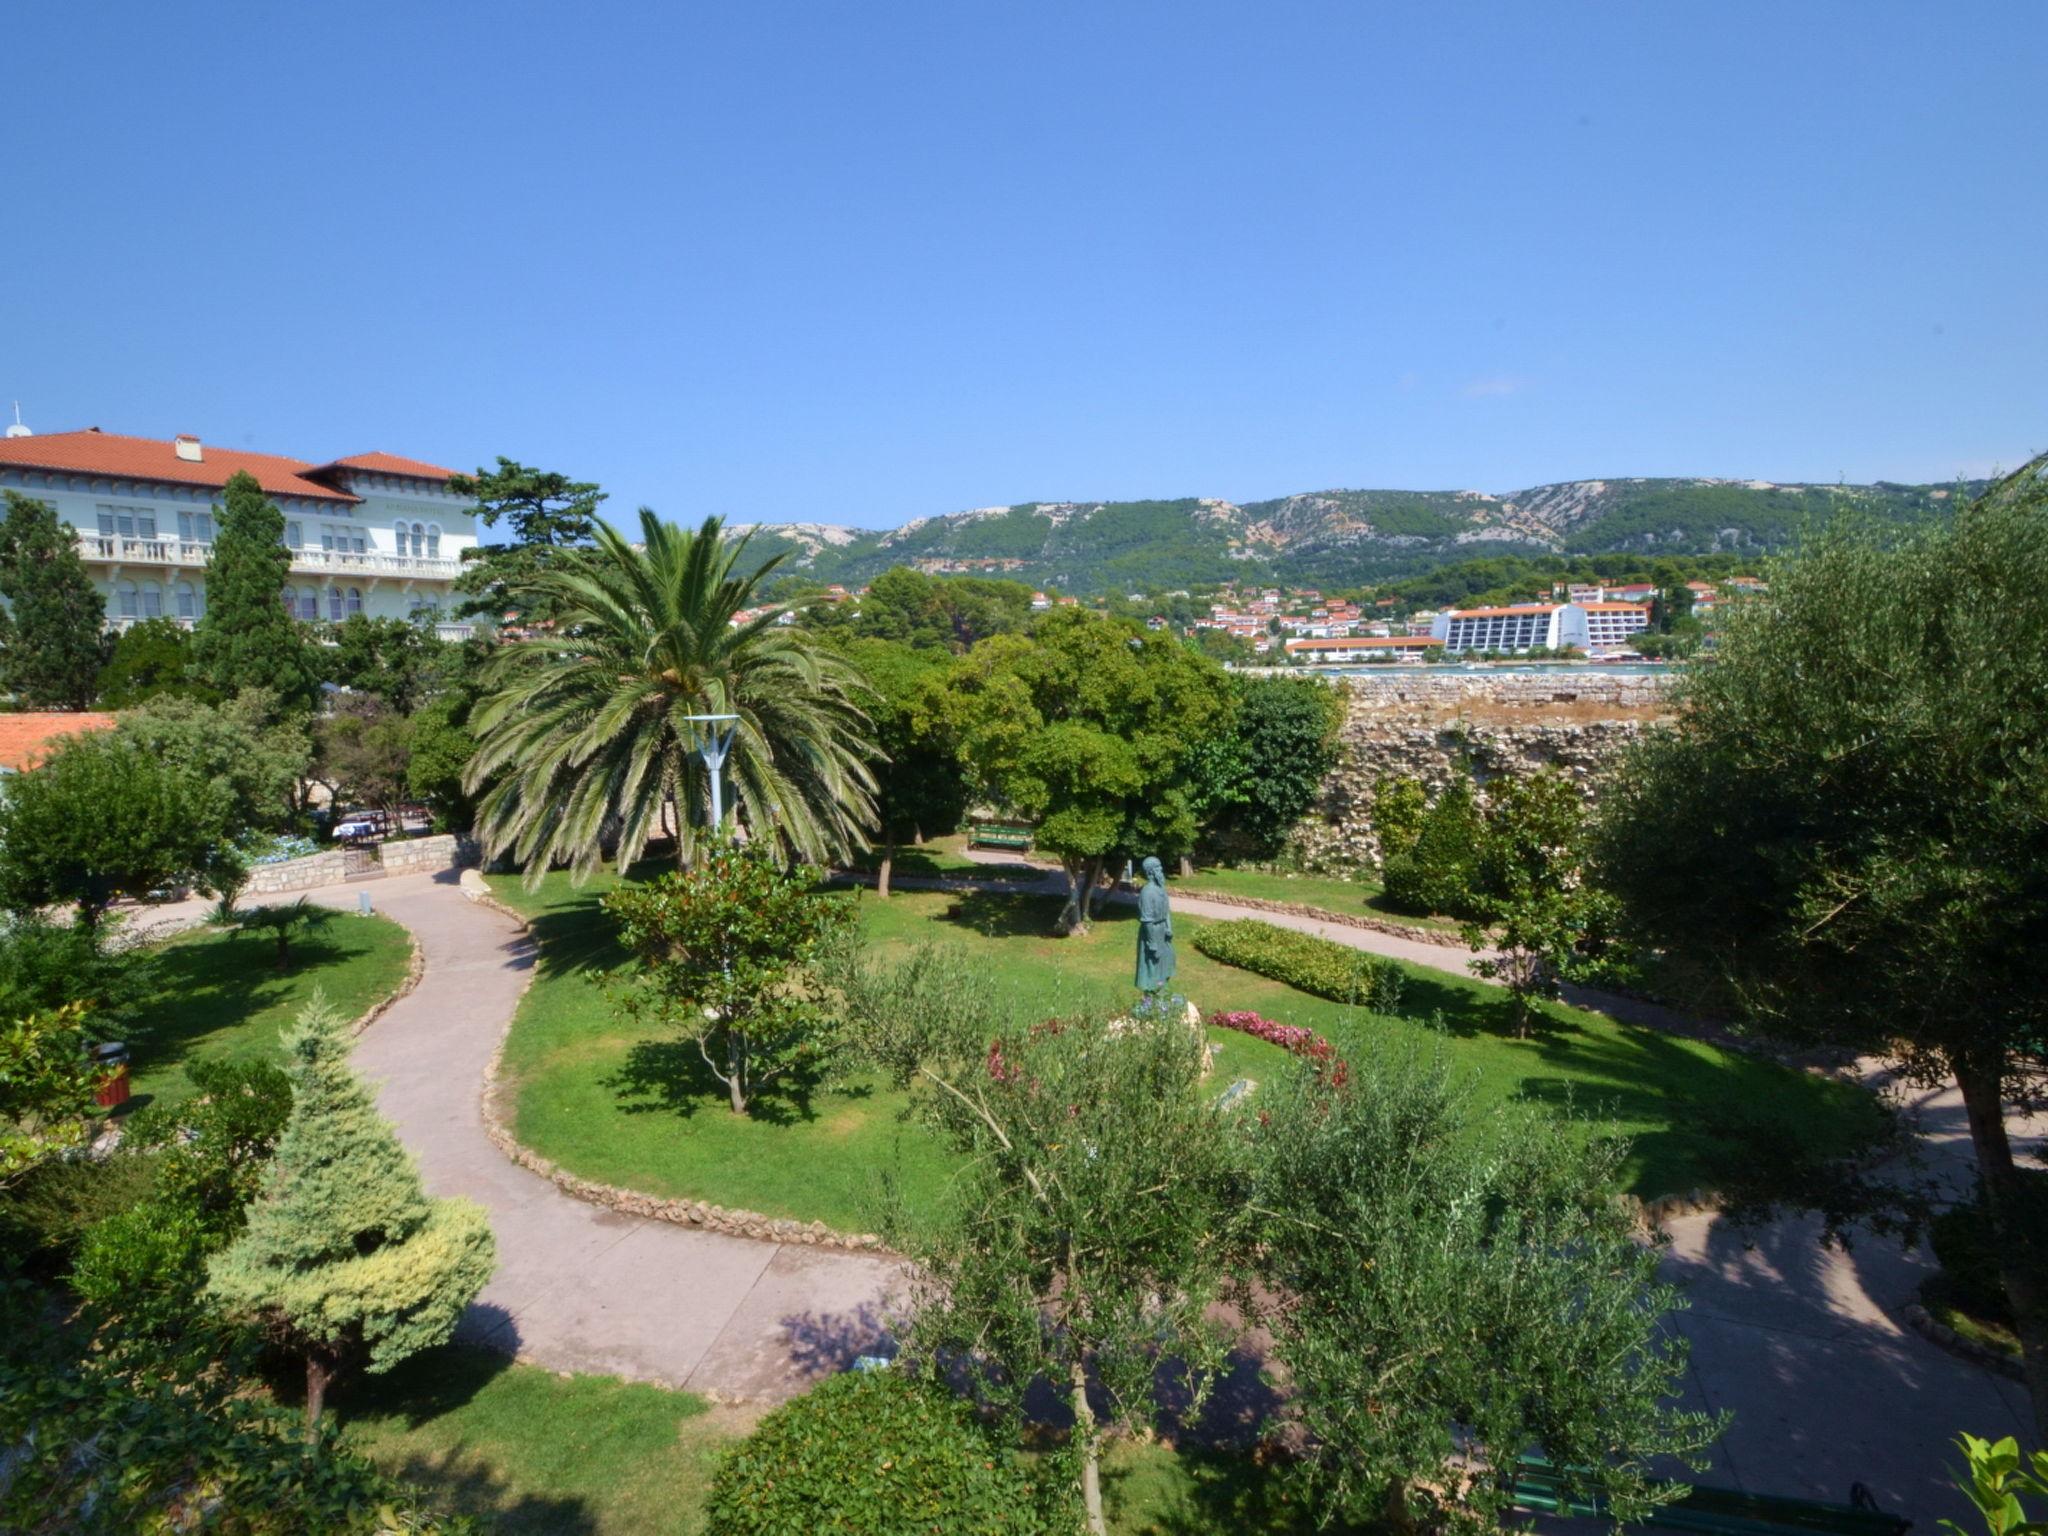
{"x": 52, "y": 640}
{"x": 248, "y": 639}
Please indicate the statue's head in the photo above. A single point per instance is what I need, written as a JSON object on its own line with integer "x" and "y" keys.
{"x": 1154, "y": 872}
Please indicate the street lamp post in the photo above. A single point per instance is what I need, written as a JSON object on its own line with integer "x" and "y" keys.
{"x": 711, "y": 739}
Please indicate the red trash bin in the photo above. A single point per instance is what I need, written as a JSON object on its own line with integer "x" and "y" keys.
{"x": 111, "y": 1058}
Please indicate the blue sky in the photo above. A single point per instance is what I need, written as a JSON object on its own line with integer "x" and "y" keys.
{"x": 866, "y": 263}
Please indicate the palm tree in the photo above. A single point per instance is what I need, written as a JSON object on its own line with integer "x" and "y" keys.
{"x": 584, "y": 730}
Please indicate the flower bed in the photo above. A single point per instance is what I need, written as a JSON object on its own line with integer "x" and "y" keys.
{"x": 1292, "y": 1038}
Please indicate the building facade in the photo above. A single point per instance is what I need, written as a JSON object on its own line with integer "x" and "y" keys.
{"x": 373, "y": 534}
{"x": 1594, "y": 628}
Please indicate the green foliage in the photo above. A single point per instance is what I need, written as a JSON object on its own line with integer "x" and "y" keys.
{"x": 344, "y": 1257}
{"x": 50, "y": 1207}
{"x": 1532, "y": 903}
{"x": 1998, "y": 1474}
{"x": 585, "y": 729}
{"x": 51, "y": 647}
{"x": 725, "y": 951}
{"x": 1397, "y": 811}
{"x": 141, "y": 1273}
{"x": 396, "y": 660}
{"x": 103, "y": 817}
{"x": 876, "y": 1452}
{"x": 1842, "y": 836}
{"x": 247, "y": 638}
{"x": 243, "y": 746}
{"x": 150, "y": 660}
{"x": 46, "y": 964}
{"x": 1097, "y": 1212}
{"x": 1437, "y": 875}
{"x": 1320, "y": 967}
{"x": 440, "y": 749}
{"x": 1445, "y": 1295}
{"x": 1090, "y": 727}
{"x": 46, "y": 1087}
{"x": 362, "y": 751}
{"x": 209, "y": 1153}
{"x": 1968, "y": 1247}
{"x": 1259, "y": 779}
{"x": 550, "y": 517}
{"x": 922, "y": 790}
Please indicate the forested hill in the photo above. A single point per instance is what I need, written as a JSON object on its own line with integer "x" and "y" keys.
{"x": 1339, "y": 537}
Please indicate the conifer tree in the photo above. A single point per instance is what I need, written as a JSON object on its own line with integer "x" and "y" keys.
{"x": 344, "y": 1257}
{"x": 248, "y": 638}
{"x": 51, "y": 634}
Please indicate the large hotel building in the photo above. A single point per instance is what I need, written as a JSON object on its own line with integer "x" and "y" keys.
{"x": 1594, "y": 628}
{"x": 372, "y": 534}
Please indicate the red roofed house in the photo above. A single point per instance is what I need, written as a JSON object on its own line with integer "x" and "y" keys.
{"x": 373, "y": 533}
{"x": 26, "y": 739}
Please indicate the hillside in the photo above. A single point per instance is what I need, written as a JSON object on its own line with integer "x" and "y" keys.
{"x": 1338, "y": 537}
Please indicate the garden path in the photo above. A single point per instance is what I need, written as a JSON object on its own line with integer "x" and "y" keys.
{"x": 1801, "y": 1342}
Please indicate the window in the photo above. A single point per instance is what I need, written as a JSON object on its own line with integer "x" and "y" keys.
{"x": 128, "y": 522}
{"x": 292, "y": 536}
{"x": 355, "y": 600}
{"x": 334, "y": 604}
{"x": 327, "y": 538}
{"x": 434, "y": 540}
{"x": 186, "y": 600}
{"x": 152, "y": 600}
{"x": 125, "y": 603}
{"x": 195, "y": 527}
{"x": 309, "y": 604}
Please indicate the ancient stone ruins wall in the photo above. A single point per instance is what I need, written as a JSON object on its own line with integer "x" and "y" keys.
{"x": 1431, "y": 728}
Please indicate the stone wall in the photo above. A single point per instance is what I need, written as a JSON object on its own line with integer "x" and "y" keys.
{"x": 419, "y": 855}
{"x": 1431, "y": 728}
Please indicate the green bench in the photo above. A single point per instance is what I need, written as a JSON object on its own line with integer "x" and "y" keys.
{"x": 1717, "y": 1511}
{"x": 998, "y": 834}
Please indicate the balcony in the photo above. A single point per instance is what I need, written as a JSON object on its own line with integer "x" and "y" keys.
{"x": 444, "y": 629}
{"x": 112, "y": 549}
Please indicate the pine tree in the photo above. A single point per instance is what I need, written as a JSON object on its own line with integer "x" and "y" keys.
{"x": 51, "y": 640}
{"x": 248, "y": 638}
{"x": 344, "y": 1256}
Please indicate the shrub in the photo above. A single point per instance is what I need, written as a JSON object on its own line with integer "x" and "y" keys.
{"x": 1398, "y": 806}
{"x": 881, "y": 1452}
{"x": 1319, "y": 966}
{"x": 1293, "y": 1038}
{"x": 143, "y": 1270}
{"x": 50, "y": 1208}
{"x": 1963, "y": 1241}
{"x": 1438, "y": 872}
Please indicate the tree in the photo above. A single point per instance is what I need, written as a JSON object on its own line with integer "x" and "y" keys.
{"x": 279, "y": 920}
{"x": 362, "y": 752}
{"x": 392, "y": 659}
{"x": 1398, "y": 807}
{"x": 1845, "y": 834}
{"x": 51, "y": 629}
{"x": 549, "y": 515}
{"x": 585, "y": 734}
{"x": 1437, "y": 874}
{"x": 1090, "y": 726}
{"x": 904, "y": 606}
{"x": 103, "y": 817}
{"x": 344, "y": 1257}
{"x": 441, "y": 749}
{"x": 46, "y": 1087}
{"x": 1446, "y": 1295}
{"x": 149, "y": 660}
{"x": 247, "y": 638}
{"x": 244, "y": 746}
{"x": 921, "y": 790}
{"x": 725, "y": 952}
{"x": 1262, "y": 777}
{"x": 1531, "y": 901}
{"x": 1096, "y": 1214}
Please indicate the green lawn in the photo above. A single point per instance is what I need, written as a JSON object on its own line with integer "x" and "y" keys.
{"x": 532, "y": 1453}
{"x": 596, "y": 1094}
{"x": 1326, "y": 891}
{"x": 217, "y": 993}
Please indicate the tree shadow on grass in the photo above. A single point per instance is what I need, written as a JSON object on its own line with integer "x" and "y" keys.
{"x": 672, "y": 1077}
{"x": 205, "y": 989}
{"x": 1002, "y": 915}
{"x": 1220, "y": 1491}
{"x": 575, "y": 940}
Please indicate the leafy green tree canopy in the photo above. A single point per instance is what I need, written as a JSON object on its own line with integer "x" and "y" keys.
{"x": 1257, "y": 781}
{"x": 247, "y": 638}
{"x": 151, "y": 659}
{"x": 51, "y": 628}
{"x": 547, "y": 514}
{"x": 921, "y": 787}
{"x": 245, "y": 746}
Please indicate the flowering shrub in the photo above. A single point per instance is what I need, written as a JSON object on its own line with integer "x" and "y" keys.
{"x": 277, "y": 850}
{"x": 1292, "y": 1038}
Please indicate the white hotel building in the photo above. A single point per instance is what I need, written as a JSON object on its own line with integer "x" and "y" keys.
{"x": 372, "y": 534}
{"x": 1596, "y": 629}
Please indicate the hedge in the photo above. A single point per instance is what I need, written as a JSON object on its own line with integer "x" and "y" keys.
{"x": 1319, "y": 966}
{"x": 878, "y": 1453}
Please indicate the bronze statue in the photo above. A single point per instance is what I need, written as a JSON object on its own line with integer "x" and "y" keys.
{"x": 1155, "y": 930}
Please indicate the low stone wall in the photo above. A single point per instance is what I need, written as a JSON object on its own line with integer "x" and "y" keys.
{"x": 1434, "y": 728}
{"x": 415, "y": 856}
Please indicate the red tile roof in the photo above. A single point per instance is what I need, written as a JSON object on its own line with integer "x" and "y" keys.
{"x": 26, "y": 740}
{"x": 113, "y": 456}
{"x": 389, "y": 464}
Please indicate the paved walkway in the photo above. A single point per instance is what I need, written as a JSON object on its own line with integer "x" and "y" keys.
{"x": 1800, "y": 1342}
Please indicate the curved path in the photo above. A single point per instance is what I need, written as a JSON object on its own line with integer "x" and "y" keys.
{"x": 1801, "y": 1342}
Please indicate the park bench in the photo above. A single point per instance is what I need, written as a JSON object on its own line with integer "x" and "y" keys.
{"x": 1717, "y": 1511}
{"x": 1000, "y": 834}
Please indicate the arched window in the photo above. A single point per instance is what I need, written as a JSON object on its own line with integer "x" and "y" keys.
{"x": 186, "y": 599}
{"x": 334, "y": 604}
{"x": 309, "y": 604}
{"x": 125, "y": 604}
{"x": 152, "y": 600}
{"x": 434, "y": 540}
{"x": 355, "y": 599}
